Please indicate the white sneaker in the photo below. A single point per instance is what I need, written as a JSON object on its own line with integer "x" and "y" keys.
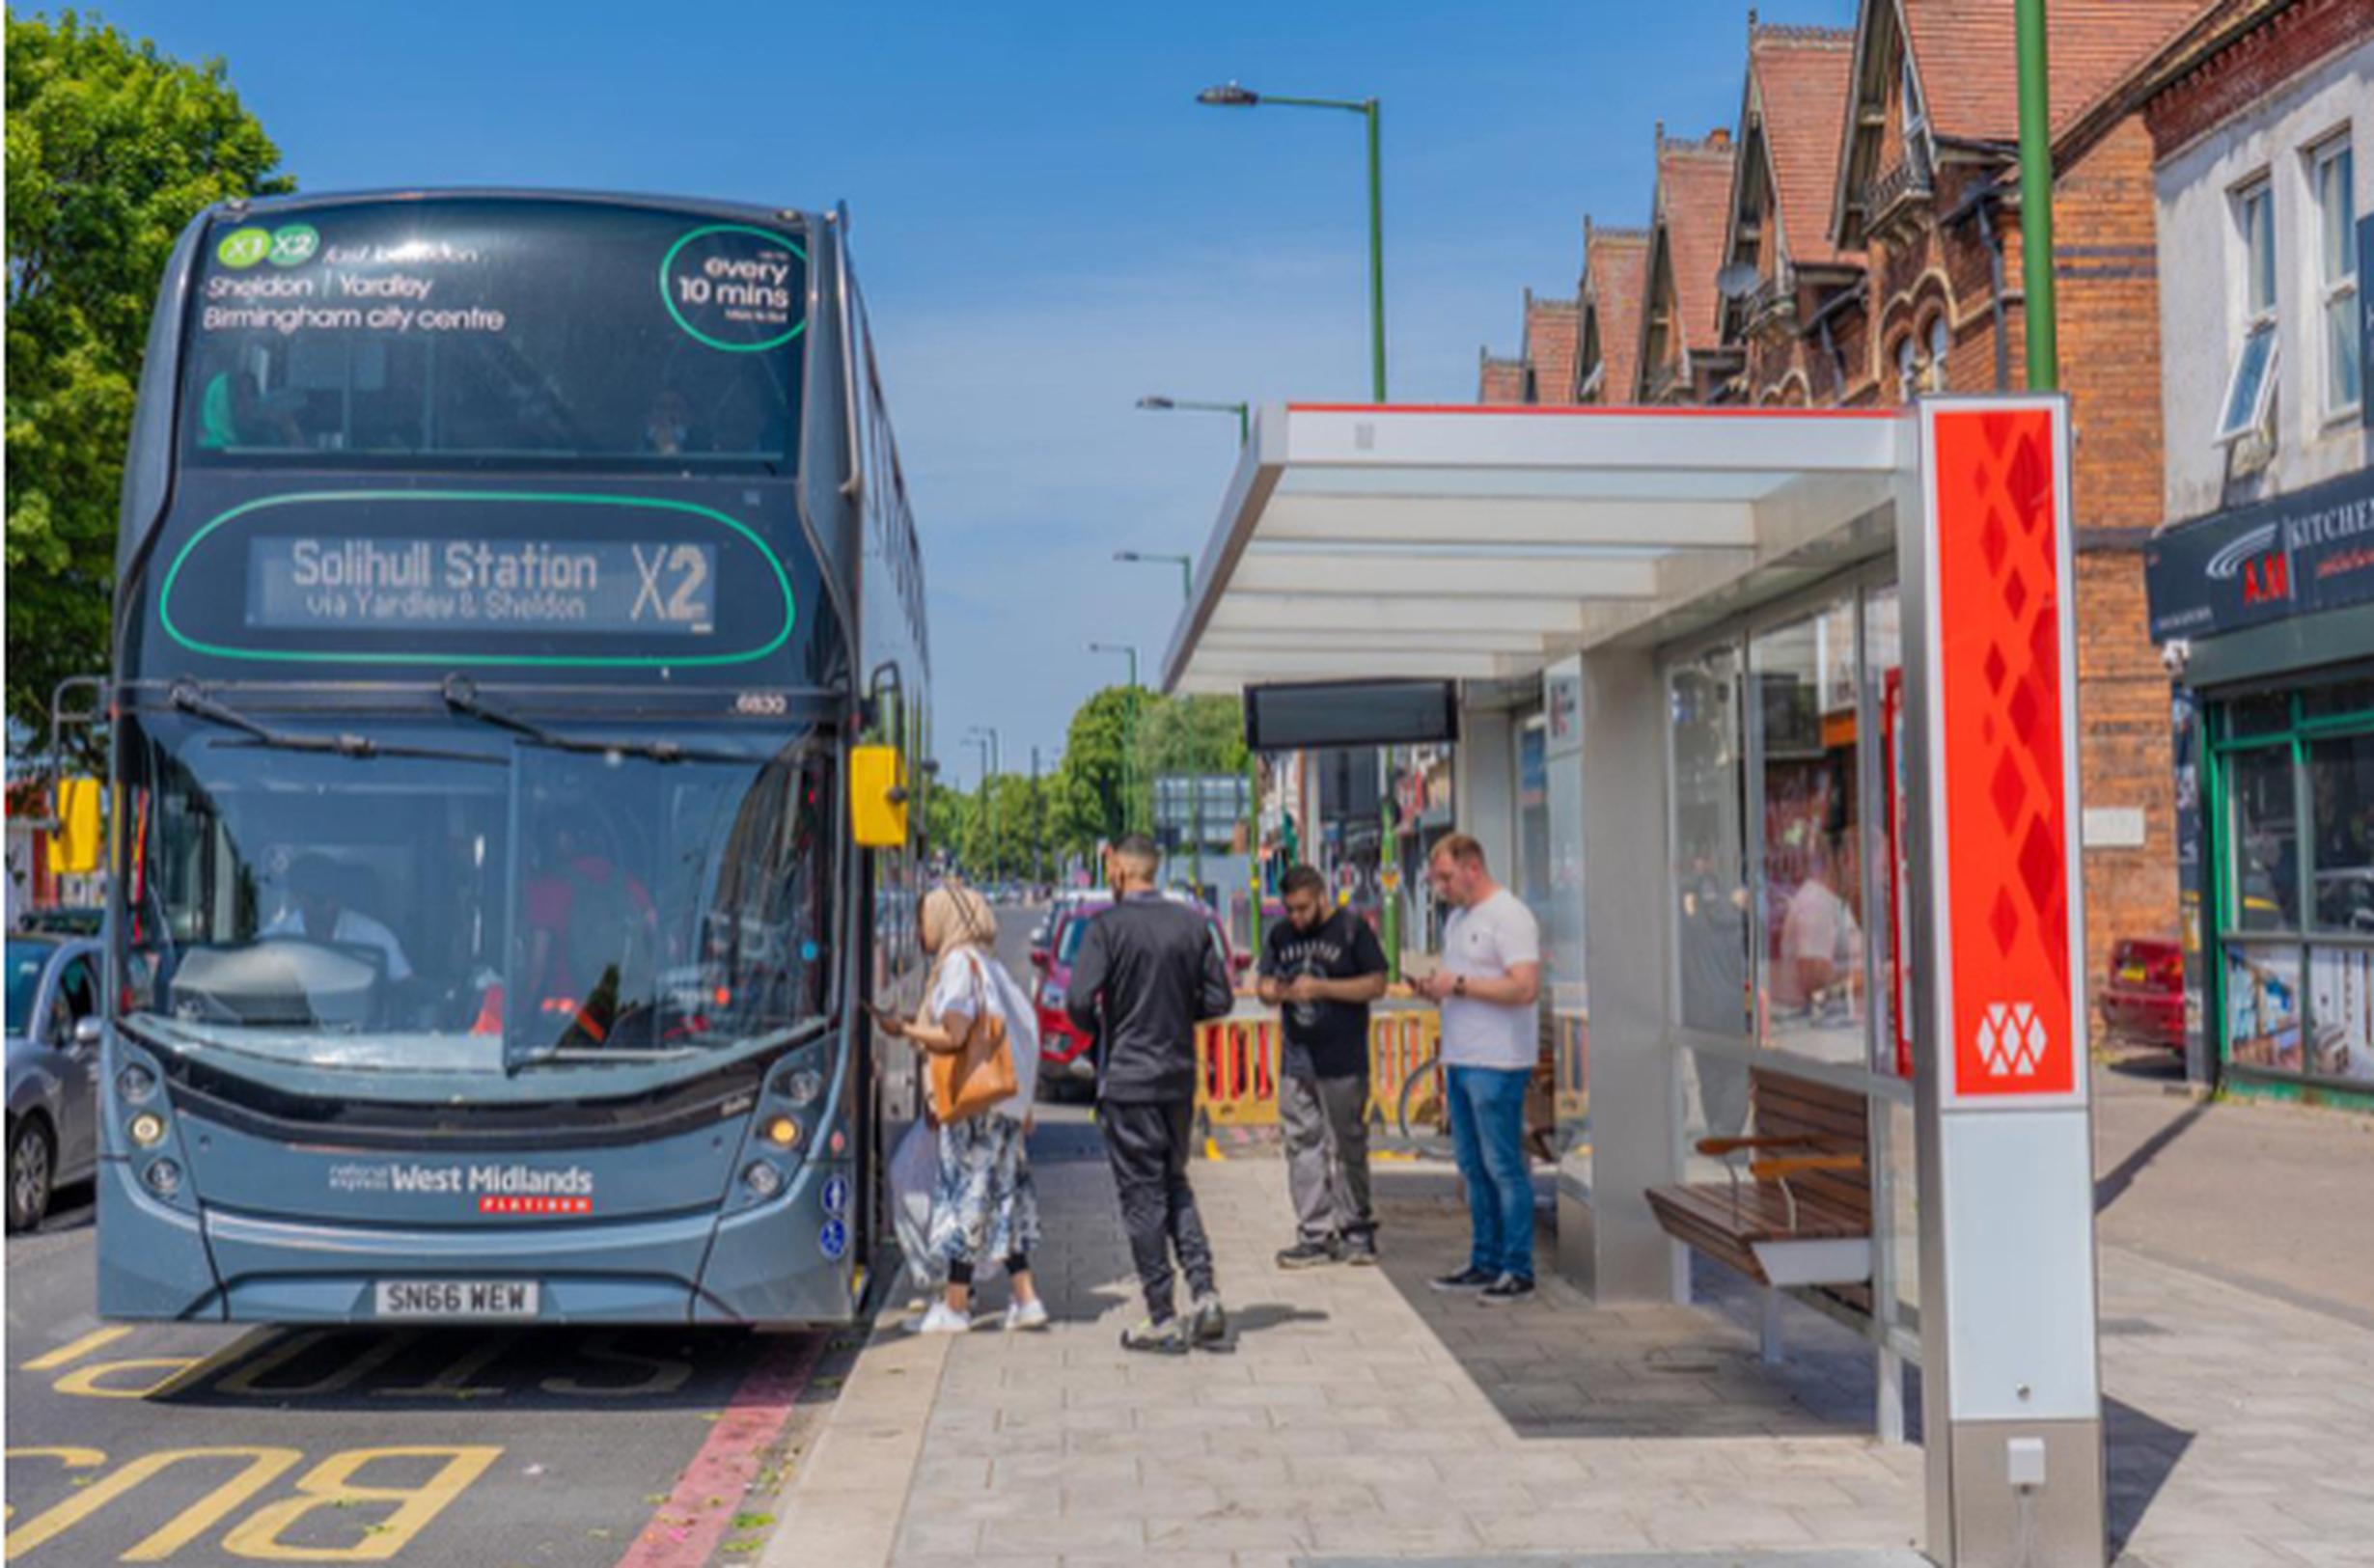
{"x": 941, "y": 1320}
{"x": 1020, "y": 1315}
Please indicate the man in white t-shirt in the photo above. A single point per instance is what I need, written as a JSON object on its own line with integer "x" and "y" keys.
{"x": 1487, "y": 986}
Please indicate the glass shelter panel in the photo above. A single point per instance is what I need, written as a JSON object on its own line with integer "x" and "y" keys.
{"x": 1812, "y": 996}
{"x": 2266, "y": 841}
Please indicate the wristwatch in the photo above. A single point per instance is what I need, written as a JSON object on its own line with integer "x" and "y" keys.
{"x": 1458, "y": 985}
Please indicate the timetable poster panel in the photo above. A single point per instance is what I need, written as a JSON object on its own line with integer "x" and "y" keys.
{"x": 310, "y": 583}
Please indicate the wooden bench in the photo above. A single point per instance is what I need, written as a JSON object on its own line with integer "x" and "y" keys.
{"x": 1796, "y": 1213}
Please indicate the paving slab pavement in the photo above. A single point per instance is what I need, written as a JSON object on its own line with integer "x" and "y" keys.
{"x": 1360, "y": 1418}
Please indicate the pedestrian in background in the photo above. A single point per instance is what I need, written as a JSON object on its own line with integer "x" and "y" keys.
{"x": 1487, "y": 986}
{"x": 1321, "y": 968}
{"x": 985, "y": 1204}
{"x": 1147, "y": 973}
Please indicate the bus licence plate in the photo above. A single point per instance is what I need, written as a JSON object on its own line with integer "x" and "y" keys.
{"x": 457, "y": 1298}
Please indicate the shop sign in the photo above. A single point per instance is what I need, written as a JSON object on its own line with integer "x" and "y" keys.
{"x": 2288, "y": 555}
{"x": 2002, "y": 751}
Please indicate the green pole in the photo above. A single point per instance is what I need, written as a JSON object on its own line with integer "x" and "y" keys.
{"x": 1244, "y": 423}
{"x": 1376, "y": 251}
{"x": 2037, "y": 199}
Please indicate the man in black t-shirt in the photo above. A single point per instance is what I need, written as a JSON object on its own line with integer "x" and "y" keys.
{"x": 1321, "y": 968}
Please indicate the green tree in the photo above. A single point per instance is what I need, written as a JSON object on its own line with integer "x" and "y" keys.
{"x": 1091, "y": 795}
{"x": 112, "y": 149}
{"x": 1192, "y": 734}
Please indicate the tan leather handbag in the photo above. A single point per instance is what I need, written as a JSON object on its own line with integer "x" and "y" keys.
{"x": 979, "y": 1075}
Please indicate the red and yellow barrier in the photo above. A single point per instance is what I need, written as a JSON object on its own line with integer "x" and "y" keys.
{"x": 1238, "y": 1061}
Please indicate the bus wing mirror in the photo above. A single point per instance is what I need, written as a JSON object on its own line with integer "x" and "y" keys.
{"x": 877, "y": 798}
{"x": 75, "y": 844}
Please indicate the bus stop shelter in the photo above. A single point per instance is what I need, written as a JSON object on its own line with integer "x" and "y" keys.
{"x": 1773, "y": 711}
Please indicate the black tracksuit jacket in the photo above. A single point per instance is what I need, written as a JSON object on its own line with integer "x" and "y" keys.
{"x": 1148, "y": 972}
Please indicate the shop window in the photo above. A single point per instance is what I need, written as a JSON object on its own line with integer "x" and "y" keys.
{"x": 2262, "y": 1007}
{"x": 1812, "y": 996}
{"x": 2249, "y": 390}
{"x": 2268, "y": 713}
{"x": 2341, "y": 1001}
{"x": 2341, "y": 797}
{"x": 1907, "y": 368}
{"x": 2331, "y": 179}
{"x": 2266, "y": 847}
{"x": 1941, "y": 352}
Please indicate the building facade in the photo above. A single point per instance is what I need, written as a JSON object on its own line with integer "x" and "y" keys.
{"x": 2262, "y": 583}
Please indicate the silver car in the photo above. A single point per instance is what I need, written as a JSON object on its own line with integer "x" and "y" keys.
{"x": 53, "y": 1034}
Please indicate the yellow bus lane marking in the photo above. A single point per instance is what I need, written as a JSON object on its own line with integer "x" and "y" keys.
{"x": 247, "y": 1379}
{"x": 453, "y": 1381}
{"x": 88, "y": 1382}
{"x": 331, "y": 1484}
{"x": 667, "y": 1373}
{"x": 70, "y": 1458}
{"x": 74, "y": 1350}
{"x": 262, "y": 1466}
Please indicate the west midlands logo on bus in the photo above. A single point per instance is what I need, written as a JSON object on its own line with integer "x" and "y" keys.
{"x": 500, "y": 1189}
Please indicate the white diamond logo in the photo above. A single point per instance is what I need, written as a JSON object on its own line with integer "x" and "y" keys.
{"x": 2012, "y": 1040}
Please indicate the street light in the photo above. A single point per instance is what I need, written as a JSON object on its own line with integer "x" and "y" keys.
{"x": 1242, "y": 411}
{"x": 992, "y": 759}
{"x": 1129, "y": 746}
{"x": 1231, "y": 96}
{"x": 1185, "y": 563}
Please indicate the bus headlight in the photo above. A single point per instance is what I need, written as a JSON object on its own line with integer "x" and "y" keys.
{"x": 135, "y": 1082}
{"x": 803, "y": 1088}
{"x": 762, "y": 1179}
{"x": 147, "y": 1129}
{"x": 164, "y": 1178}
{"x": 782, "y": 1132}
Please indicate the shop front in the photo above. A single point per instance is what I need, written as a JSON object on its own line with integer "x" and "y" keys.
{"x": 2266, "y": 611}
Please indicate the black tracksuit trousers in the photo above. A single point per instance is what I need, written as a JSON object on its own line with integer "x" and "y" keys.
{"x": 1148, "y": 1145}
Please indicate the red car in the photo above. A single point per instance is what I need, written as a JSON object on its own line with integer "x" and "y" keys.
{"x": 1065, "y": 1060}
{"x": 2143, "y": 994}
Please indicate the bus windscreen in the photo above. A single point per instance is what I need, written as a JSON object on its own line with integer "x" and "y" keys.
{"x": 491, "y": 333}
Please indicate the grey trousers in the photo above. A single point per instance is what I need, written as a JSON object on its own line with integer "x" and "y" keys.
{"x": 1326, "y": 1125}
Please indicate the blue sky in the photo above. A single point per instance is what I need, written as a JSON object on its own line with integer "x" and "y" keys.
{"x": 1047, "y": 224}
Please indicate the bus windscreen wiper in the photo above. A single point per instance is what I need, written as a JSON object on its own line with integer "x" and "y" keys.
{"x": 460, "y": 694}
{"x": 187, "y": 697}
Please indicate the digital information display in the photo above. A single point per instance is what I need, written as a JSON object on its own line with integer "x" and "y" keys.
{"x": 311, "y": 583}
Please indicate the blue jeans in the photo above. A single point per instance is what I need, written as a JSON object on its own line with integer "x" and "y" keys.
{"x": 1487, "y": 1132}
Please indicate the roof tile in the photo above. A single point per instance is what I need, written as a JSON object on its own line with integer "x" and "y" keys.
{"x": 1615, "y": 271}
{"x": 1802, "y": 78}
{"x": 1967, "y": 52}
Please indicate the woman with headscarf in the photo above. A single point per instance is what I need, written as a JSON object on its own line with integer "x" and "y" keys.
{"x": 984, "y": 1205}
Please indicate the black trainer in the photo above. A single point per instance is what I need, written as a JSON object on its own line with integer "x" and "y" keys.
{"x": 1509, "y": 1288}
{"x": 1308, "y": 1255}
{"x": 1358, "y": 1249}
{"x": 1465, "y": 1280}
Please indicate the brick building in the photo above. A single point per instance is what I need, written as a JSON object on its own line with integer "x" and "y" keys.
{"x": 1684, "y": 356}
{"x": 1615, "y": 273}
{"x": 1543, "y": 371}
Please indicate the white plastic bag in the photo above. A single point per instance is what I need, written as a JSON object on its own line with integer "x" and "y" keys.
{"x": 914, "y": 1172}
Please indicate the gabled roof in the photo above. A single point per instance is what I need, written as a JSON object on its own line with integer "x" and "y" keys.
{"x": 1553, "y": 330}
{"x": 1692, "y": 214}
{"x": 1966, "y": 53}
{"x": 1499, "y": 381}
{"x": 1615, "y": 276}
{"x": 1798, "y": 81}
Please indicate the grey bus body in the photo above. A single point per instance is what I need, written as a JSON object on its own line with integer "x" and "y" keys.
{"x": 504, "y": 578}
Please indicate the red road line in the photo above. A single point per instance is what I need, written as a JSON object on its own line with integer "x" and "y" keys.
{"x": 685, "y": 1529}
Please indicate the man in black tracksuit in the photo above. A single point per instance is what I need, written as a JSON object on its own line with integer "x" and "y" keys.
{"x": 1146, "y": 974}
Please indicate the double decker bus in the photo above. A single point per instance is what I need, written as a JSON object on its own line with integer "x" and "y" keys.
{"x": 520, "y": 661}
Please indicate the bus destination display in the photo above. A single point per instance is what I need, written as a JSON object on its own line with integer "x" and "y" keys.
{"x": 345, "y": 582}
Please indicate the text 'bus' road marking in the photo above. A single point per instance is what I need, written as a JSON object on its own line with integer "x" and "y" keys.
{"x": 73, "y": 1350}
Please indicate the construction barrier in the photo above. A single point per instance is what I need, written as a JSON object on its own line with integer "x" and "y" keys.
{"x": 1236, "y": 1071}
{"x": 1238, "y": 1061}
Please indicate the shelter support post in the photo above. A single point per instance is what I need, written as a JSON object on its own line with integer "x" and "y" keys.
{"x": 2012, "y": 1390}
{"x": 1619, "y": 1252}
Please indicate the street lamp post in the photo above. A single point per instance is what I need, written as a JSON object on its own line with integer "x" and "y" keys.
{"x": 1234, "y": 96}
{"x": 2038, "y": 310}
{"x": 1242, "y": 411}
{"x": 1129, "y": 744}
{"x": 992, "y": 762}
{"x": 1185, "y": 563}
